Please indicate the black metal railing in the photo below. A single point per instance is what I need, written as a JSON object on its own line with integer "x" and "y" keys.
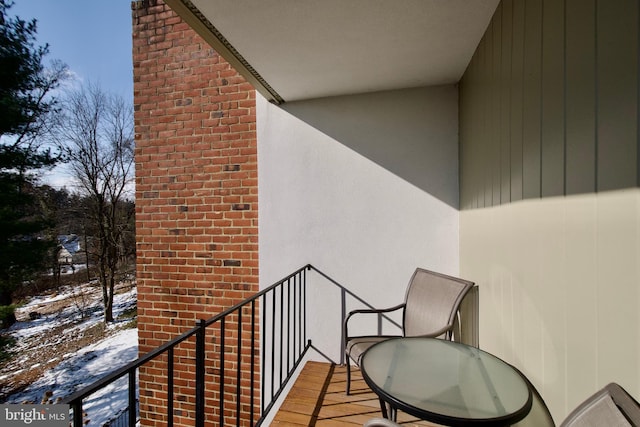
{"x": 122, "y": 419}
{"x": 276, "y": 316}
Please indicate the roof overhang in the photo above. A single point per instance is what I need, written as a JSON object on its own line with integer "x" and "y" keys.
{"x": 301, "y": 49}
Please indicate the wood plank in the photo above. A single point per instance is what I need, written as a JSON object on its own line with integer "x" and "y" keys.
{"x": 318, "y": 398}
{"x": 285, "y": 418}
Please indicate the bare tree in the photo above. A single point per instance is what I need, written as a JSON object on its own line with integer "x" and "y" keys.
{"x": 96, "y": 134}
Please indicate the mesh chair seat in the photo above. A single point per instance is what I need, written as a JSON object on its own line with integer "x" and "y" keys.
{"x": 358, "y": 345}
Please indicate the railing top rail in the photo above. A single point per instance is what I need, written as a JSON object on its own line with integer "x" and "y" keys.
{"x": 120, "y": 372}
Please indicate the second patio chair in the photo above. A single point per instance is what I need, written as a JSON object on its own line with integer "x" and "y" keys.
{"x": 611, "y": 406}
{"x": 430, "y": 309}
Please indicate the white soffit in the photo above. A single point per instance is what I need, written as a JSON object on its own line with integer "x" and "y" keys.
{"x": 310, "y": 48}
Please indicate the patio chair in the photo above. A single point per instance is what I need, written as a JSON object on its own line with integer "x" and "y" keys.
{"x": 611, "y": 406}
{"x": 430, "y": 309}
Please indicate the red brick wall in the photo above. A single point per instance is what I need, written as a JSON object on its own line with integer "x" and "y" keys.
{"x": 196, "y": 200}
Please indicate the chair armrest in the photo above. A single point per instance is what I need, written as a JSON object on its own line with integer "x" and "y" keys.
{"x": 367, "y": 311}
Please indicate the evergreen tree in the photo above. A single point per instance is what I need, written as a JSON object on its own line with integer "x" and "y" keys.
{"x": 26, "y": 107}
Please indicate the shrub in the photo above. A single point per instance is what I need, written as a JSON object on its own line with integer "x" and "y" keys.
{"x": 7, "y": 316}
{"x": 6, "y": 343}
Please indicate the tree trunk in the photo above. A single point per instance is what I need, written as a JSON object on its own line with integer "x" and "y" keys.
{"x": 106, "y": 281}
{"x": 107, "y": 302}
{"x": 86, "y": 253}
{"x": 108, "y": 309}
{"x": 57, "y": 274}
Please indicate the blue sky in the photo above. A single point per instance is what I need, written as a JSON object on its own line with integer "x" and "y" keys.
{"x": 93, "y": 37}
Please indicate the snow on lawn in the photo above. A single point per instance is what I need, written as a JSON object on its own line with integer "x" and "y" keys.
{"x": 85, "y": 366}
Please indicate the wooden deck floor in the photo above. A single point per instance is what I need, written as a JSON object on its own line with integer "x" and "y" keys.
{"x": 318, "y": 398}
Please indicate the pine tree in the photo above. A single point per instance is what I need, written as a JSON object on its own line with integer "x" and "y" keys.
{"x": 25, "y": 109}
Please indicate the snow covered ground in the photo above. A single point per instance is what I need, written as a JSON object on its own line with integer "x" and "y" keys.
{"x": 49, "y": 323}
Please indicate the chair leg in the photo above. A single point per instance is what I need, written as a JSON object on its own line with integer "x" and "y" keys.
{"x": 348, "y": 375}
{"x": 393, "y": 413}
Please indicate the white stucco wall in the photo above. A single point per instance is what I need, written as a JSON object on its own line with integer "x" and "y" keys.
{"x": 322, "y": 201}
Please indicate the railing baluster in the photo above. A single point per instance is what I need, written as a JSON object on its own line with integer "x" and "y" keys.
{"x": 200, "y": 349}
{"x": 295, "y": 310}
{"x": 238, "y": 366}
{"x": 273, "y": 340}
{"x": 288, "y": 325}
{"x": 222, "y": 336}
{"x": 281, "y": 328}
{"x": 304, "y": 305}
{"x": 77, "y": 413}
{"x": 170, "y": 388}
{"x": 132, "y": 398}
{"x": 300, "y": 342}
{"x": 263, "y": 355}
{"x": 253, "y": 359}
{"x": 343, "y": 315}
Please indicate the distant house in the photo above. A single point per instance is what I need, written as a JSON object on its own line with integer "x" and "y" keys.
{"x": 69, "y": 248}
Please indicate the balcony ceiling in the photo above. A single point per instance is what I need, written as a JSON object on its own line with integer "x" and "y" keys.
{"x": 301, "y": 49}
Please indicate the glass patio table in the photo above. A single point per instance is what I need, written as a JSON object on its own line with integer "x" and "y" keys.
{"x": 445, "y": 382}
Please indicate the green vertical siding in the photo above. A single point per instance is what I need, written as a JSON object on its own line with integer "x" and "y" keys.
{"x": 532, "y": 99}
{"x": 552, "y": 134}
{"x": 517, "y": 94}
{"x": 549, "y": 102}
{"x": 617, "y": 93}
{"x": 580, "y": 97}
{"x": 506, "y": 10}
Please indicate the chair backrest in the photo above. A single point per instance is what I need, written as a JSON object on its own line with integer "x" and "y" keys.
{"x": 432, "y": 301}
{"x": 611, "y": 406}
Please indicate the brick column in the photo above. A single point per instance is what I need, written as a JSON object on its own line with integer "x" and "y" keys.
{"x": 196, "y": 201}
